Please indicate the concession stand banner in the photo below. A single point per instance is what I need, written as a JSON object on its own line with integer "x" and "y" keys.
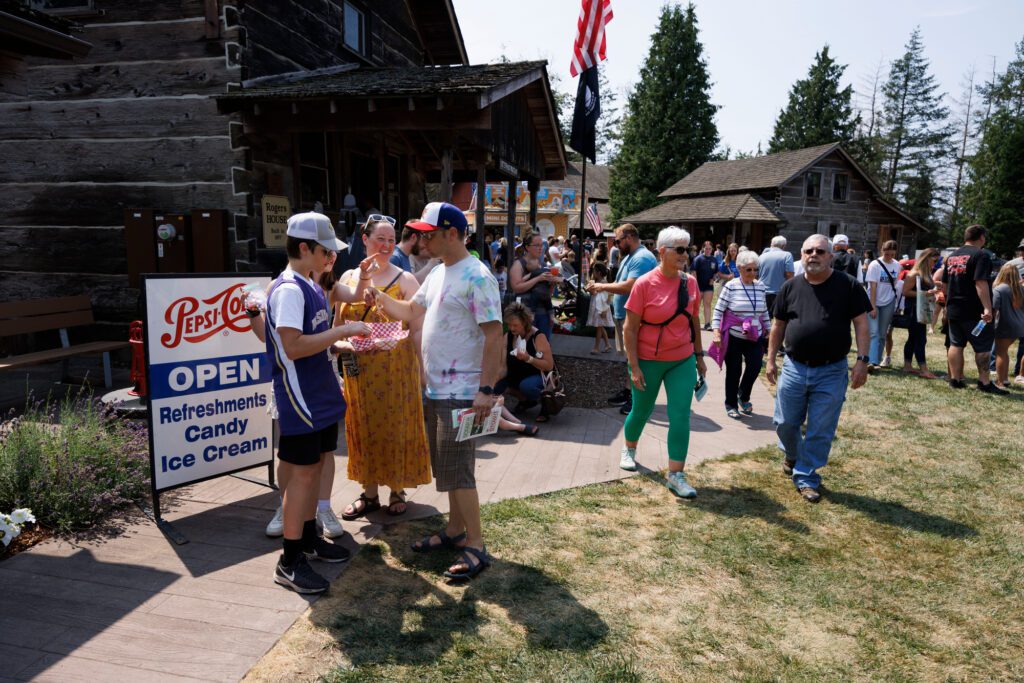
{"x": 209, "y": 379}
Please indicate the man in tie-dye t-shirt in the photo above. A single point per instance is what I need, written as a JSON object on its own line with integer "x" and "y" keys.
{"x": 462, "y": 338}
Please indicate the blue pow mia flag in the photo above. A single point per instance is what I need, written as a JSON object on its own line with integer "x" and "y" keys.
{"x": 584, "y": 118}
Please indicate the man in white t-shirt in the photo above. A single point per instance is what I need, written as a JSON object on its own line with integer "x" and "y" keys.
{"x": 462, "y": 337}
{"x": 884, "y": 290}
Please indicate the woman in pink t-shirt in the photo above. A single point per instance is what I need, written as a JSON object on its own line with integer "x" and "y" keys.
{"x": 662, "y": 349}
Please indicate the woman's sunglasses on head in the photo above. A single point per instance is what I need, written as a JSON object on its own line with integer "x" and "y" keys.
{"x": 378, "y": 217}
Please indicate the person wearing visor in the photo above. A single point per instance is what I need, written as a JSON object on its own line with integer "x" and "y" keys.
{"x": 460, "y": 307}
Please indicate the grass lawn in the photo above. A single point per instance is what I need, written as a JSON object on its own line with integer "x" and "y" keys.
{"x": 910, "y": 569}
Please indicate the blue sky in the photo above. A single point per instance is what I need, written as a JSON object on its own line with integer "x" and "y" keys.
{"x": 756, "y": 50}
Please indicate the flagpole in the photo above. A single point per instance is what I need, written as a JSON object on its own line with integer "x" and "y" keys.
{"x": 579, "y": 254}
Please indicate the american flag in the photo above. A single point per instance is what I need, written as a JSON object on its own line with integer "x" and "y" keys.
{"x": 593, "y": 220}
{"x": 590, "y": 44}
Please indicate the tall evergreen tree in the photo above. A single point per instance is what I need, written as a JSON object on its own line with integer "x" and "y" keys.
{"x": 669, "y": 128}
{"x": 916, "y": 130}
{"x": 819, "y": 110}
{"x": 994, "y": 196}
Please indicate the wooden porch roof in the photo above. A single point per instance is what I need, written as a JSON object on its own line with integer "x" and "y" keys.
{"x": 718, "y": 209}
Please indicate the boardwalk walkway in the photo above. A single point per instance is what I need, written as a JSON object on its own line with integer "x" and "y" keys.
{"x": 134, "y": 606}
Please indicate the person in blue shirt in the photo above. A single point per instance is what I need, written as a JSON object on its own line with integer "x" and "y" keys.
{"x": 704, "y": 268}
{"x": 777, "y": 266}
{"x": 728, "y": 269}
{"x": 637, "y": 260}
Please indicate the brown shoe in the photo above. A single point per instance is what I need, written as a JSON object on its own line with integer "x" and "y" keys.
{"x": 810, "y": 495}
{"x": 787, "y": 467}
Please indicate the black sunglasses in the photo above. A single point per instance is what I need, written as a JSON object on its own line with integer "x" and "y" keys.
{"x": 679, "y": 250}
{"x": 819, "y": 252}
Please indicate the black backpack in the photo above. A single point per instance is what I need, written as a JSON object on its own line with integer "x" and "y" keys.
{"x": 682, "y": 299}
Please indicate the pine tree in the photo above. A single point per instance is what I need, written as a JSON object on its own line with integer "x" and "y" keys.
{"x": 994, "y": 196}
{"x": 669, "y": 128}
{"x": 916, "y": 131}
{"x": 819, "y": 111}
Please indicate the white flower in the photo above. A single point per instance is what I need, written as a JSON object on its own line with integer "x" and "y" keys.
{"x": 7, "y": 531}
{"x": 23, "y": 516}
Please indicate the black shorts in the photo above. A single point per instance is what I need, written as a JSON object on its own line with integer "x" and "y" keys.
{"x": 960, "y": 335}
{"x": 305, "y": 449}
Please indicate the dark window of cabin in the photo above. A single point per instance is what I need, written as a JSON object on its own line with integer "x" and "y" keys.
{"x": 840, "y": 187}
{"x": 62, "y": 6}
{"x": 315, "y": 175}
{"x": 354, "y": 29}
{"x": 813, "y": 185}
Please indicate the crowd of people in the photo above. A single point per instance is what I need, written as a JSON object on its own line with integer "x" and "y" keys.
{"x": 464, "y": 345}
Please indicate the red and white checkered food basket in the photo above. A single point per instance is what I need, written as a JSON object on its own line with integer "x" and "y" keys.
{"x": 383, "y": 337}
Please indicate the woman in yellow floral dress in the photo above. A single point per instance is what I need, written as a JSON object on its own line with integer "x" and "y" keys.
{"x": 384, "y": 427}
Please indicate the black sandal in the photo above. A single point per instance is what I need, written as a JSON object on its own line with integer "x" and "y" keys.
{"x": 483, "y": 562}
{"x": 397, "y": 499}
{"x": 369, "y": 505}
{"x": 425, "y": 546}
{"x": 530, "y": 431}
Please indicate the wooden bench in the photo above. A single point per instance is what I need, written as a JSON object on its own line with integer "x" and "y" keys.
{"x": 41, "y": 315}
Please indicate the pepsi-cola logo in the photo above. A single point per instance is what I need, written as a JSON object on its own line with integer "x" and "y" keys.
{"x": 193, "y": 320}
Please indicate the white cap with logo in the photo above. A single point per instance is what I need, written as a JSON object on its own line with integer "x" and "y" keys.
{"x": 317, "y": 227}
{"x": 841, "y": 239}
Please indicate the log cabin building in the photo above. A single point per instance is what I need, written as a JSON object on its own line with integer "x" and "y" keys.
{"x": 198, "y": 113}
{"x": 796, "y": 194}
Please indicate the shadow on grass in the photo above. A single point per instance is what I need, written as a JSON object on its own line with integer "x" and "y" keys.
{"x": 390, "y": 615}
{"x": 899, "y": 515}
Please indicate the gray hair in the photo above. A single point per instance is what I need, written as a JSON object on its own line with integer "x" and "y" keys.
{"x": 670, "y": 236}
{"x": 745, "y": 258}
{"x": 819, "y": 237}
{"x": 779, "y": 241}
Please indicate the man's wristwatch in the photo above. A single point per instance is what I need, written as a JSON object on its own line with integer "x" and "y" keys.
{"x": 486, "y": 390}
{"x": 863, "y": 359}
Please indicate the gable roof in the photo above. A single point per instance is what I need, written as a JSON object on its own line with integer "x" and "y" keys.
{"x": 439, "y": 31}
{"x": 597, "y": 179}
{"x": 755, "y": 173}
{"x": 741, "y": 206}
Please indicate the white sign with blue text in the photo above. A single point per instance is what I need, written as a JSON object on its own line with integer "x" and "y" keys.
{"x": 209, "y": 379}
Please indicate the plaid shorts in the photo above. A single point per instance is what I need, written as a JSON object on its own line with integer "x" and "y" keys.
{"x": 453, "y": 462}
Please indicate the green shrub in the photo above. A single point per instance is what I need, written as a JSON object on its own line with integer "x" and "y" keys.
{"x": 72, "y": 465}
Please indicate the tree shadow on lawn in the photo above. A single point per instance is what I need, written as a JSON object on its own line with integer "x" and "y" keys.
{"x": 390, "y": 615}
{"x": 899, "y": 515}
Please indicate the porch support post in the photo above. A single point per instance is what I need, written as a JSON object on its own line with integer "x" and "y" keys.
{"x": 446, "y": 174}
{"x": 481, "y": 200}
{"x": 533, "y": 185}
{"x": 510, "y": 223}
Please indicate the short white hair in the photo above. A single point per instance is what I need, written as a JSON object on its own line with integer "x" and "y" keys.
{"x": 779, "y": 241}
{"x": 745, "y": 258}
{"x": 672, "y": 235}
{"x": 819, "y": 237}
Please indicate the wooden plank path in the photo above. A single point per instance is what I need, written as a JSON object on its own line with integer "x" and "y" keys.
{"x": 134, "y": 606}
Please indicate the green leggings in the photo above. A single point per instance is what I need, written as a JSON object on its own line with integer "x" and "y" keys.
{"x": 679, "y": 376}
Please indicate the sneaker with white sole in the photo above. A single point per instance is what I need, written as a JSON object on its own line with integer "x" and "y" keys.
{"x": 276, "y": 526}
{"x": 327, "y": 552}
{"x": 627, "y": 460}
{"x": 328, "y": 523}
{"x": 887, "y": 362}
{"x": 300, "y": 577}
{"x": 678, "y": 485}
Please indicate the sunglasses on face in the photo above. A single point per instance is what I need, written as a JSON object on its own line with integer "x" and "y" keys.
{"x": 819, "y": 252}
{"x": 749, "y": 270}
{"x": 378, "y": 217}
{"x": 679, "y": 250}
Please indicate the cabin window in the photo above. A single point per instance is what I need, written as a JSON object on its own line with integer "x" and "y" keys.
{"x": 813, "y": 185}
{"x": 354, "y": 29}
{"x": 62, "y": 6}
{"x": 315, "y": 178}
{"x": 840, "y": 187}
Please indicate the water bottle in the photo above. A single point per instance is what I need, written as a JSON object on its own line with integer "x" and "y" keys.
{"x": 978, "y": 328}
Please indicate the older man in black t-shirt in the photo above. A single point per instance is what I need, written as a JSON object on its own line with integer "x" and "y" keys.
{"x": 812, "y": 314}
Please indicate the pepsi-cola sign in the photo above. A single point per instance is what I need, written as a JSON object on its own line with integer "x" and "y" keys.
{"x": 209, "y": 379}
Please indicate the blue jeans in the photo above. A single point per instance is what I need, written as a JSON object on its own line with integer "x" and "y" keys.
{"x": 530, "y": 387}
{"x": 542, "y": 321}
{"x": 817, "y": 395}
{"x": 879, "y": 328}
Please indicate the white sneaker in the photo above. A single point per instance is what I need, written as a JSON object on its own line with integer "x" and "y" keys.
{"x": 276, "y": 526}
{"x": 328, "y": 522}
{"x": 887, "y": 362}
{"x": 628, "y": 459}
{"x": 678, "y": 485}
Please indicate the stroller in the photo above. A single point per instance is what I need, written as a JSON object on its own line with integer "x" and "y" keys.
{"x": 567, "y": 307}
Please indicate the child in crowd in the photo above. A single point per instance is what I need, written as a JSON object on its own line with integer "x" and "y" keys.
{"x": 501, "y": 275}
{"x": 600, "y": 314}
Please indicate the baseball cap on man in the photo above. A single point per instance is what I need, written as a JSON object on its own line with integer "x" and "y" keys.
{"x": 841, "y": 239}
{"x": 317, "y": 227}
{"x": 440, "y": 216}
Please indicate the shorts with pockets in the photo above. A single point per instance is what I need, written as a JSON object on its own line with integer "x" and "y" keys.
{"x": 305, "y": 449}
{"x": 960, "y": 335}
{"x": 453, "y": 462}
